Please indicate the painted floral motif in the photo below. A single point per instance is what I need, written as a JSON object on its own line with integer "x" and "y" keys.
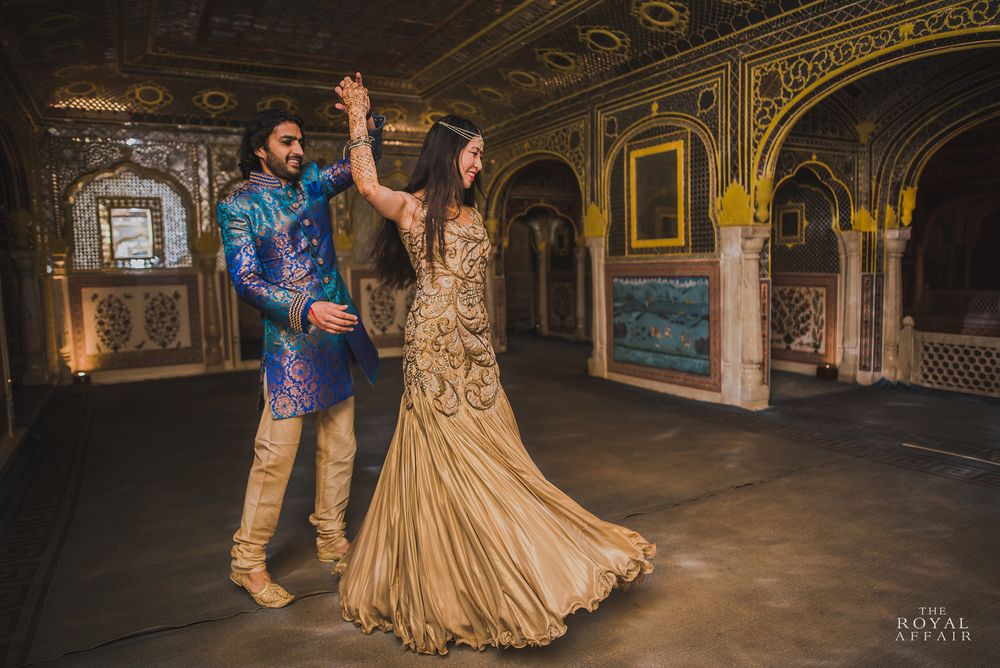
{"x": 113, "y": 322}
{"x": 799, "y": 319}
{"x": 163, "y": 318}
{"x": 381, "y": 308}
{"x": 563, "y": 303}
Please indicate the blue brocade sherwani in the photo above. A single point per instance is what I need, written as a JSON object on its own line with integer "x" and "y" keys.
{"x": 279, "y": 250}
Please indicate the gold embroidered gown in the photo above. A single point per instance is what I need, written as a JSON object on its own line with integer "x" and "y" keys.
{"x": 465, "y": 540}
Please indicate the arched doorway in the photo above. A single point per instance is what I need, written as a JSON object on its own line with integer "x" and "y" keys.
{"x": 951, "y": 282}
{"x": 806, "y": 323}
{"x": 873, "y": 134}
{"x": 544, "y": 264}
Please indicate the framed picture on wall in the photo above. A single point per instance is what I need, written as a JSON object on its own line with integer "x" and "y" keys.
{"x": 131, "y": 232}
{"x": 791, "y": 224}
{"x": 656, "y": 194}
{"x": 664, "y": 322}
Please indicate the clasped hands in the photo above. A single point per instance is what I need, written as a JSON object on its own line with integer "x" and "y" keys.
{"x": 354, "y": 95}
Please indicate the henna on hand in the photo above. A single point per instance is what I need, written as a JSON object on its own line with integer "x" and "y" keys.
{"x": 356, "y": 103}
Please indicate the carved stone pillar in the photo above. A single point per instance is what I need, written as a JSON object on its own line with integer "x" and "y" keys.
{"x": 543, "y": 287}
{"x": 580, "y": 255}
{"x": 743, "y": 378}
{"x": 851, "y": 266}
{"x": 906, "y": 351}
{"x": 895, "y": 245}
{"x": 595, "y": 226}
{"x": 31, "y": 321}
{"x": 62, "y": 320}
{"x": 206, "y": 256}
{"x": 597, "y": 365}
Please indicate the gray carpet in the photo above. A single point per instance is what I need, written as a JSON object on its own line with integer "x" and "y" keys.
{"x": 793, "y": 537}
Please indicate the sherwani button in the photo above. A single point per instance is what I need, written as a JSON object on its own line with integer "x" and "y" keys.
{"x": 306, "y": 223}
{"x": 319, "y": 260}
{"x": 326, "y": 279}
{"x": 315, "y": 242}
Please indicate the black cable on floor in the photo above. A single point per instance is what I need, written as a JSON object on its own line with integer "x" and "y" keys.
{"x": 162, "y": 629}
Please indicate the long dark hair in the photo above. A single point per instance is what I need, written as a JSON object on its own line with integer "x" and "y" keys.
{"x": 437, "y": 175}
{"x": 256, "y": 133}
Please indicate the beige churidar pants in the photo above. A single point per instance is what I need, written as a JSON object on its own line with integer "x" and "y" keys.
{"x": 275, "y": 446}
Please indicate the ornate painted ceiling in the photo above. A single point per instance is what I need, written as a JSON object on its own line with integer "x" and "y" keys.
{"x": 215, "y": 62}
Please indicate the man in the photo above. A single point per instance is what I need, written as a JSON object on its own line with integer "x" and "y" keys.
{"x": 278, "y": 242}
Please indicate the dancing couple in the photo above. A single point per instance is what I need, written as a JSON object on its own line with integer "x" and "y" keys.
{"x": 465, "y": 540}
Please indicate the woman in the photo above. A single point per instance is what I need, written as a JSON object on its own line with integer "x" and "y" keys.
{"x": 465, "y": 540}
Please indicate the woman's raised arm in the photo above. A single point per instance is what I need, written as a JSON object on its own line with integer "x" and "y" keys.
{"x": 392, "y": 204}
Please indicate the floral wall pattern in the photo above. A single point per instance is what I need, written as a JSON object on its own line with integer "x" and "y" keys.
{"x": 803, "y": 317}
{"x": 382, "y": 309}
{"x": 130, "y": 321}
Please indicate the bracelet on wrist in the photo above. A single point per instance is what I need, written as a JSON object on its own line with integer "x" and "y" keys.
{"x": 367, "y": 140}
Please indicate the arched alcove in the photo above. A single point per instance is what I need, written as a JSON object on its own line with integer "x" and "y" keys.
{"x": 680, "y": 153}
{"x": 950, "y": 276}
{"x": 806, "y": 279}
{"x": 156, "y": 217}
{"x": 906, "y": 108}
{"x": 542, "y": 266}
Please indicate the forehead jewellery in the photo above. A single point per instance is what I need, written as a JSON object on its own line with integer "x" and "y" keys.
{"x": 462, "y": 132}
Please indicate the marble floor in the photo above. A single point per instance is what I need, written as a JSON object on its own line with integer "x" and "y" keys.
{"x": 806, "y": 534}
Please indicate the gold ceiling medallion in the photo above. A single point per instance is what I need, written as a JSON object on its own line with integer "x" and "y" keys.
{"x": 491, "y": 94}
{"x": 659, "y": 16}
{"x": 522, "y": 79}
{"x": 71, "y": 71}
{"x": 430, "y": 117}
{"x": 560, "y": 61}
{"x": 602, "y": 39}
{"x": 214, "y": 101}
{"x": 77, "y": 89}
{"x": 64, "y": 48}
{"x": 149, "y": 96}
{"x": 463, "y": 108}
{"x": 278, "y": 102}
{"x": 85, "y": 96}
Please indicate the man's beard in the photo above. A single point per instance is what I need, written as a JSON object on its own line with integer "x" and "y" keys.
{"x": 280, "y": 168}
